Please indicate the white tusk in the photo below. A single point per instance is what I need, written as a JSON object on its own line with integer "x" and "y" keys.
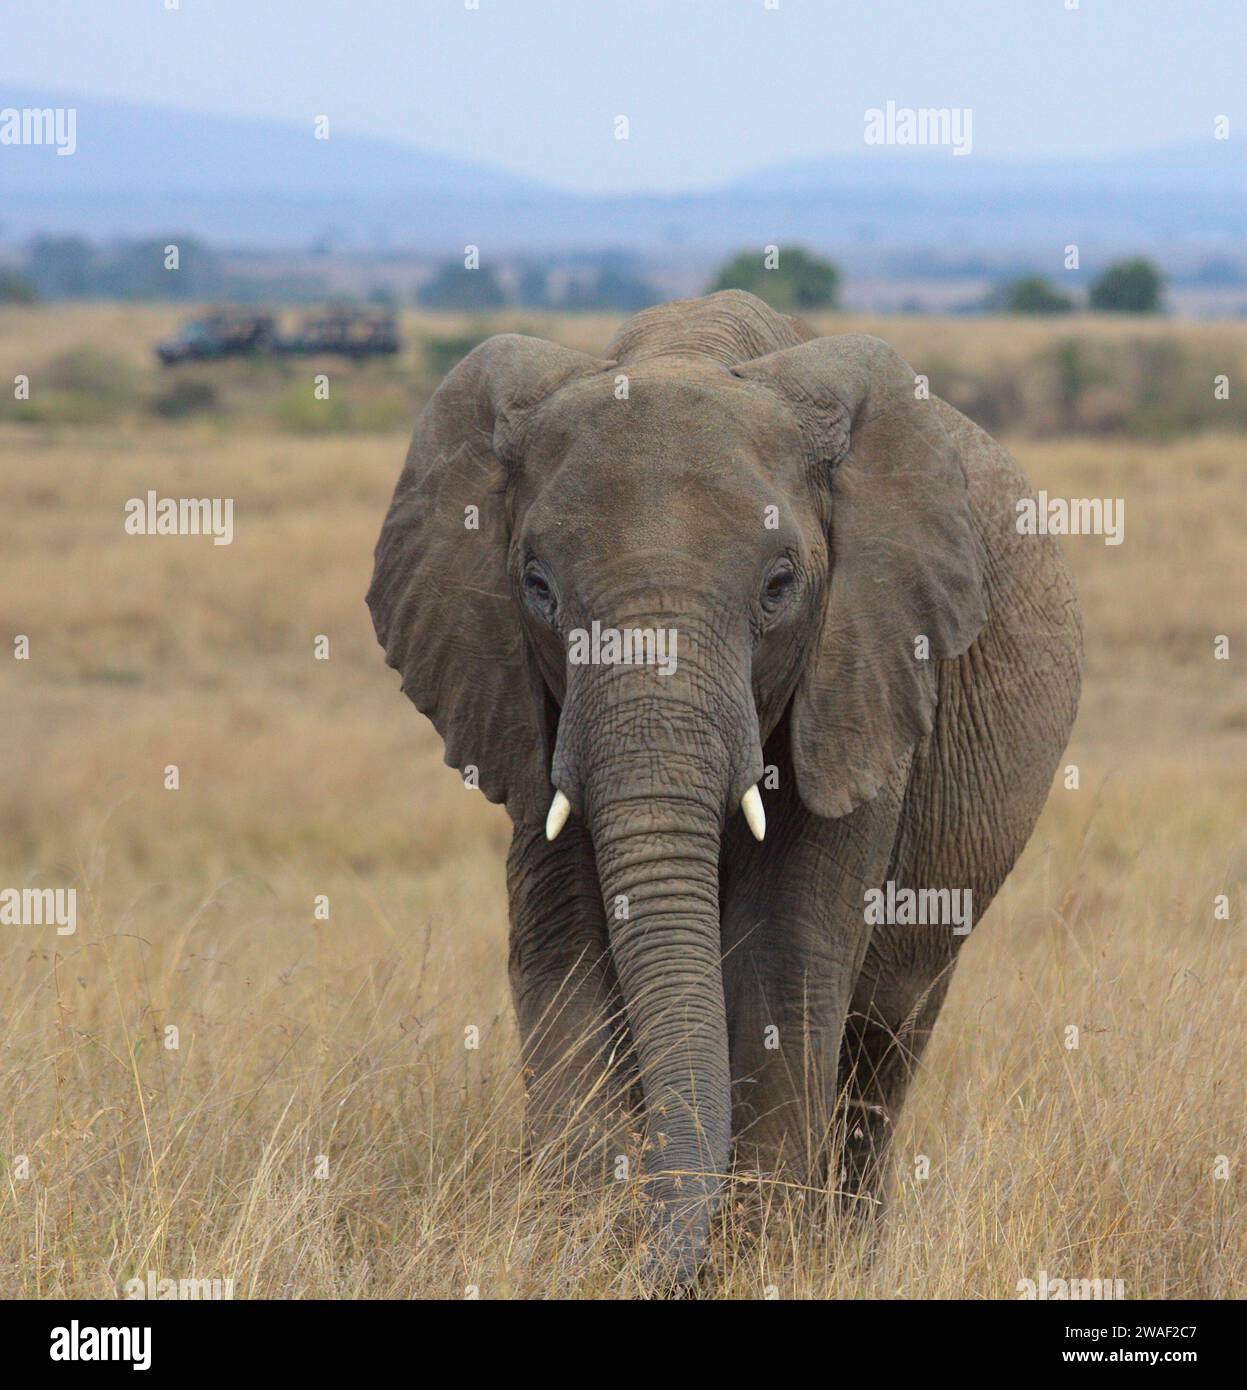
{"x": 560, "y": 809}
{"x": 751, "y": 804}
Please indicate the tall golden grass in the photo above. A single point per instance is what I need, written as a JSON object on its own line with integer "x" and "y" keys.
{"x": 321, "y": 1130}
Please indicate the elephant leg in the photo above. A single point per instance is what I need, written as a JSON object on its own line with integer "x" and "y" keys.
{"x": 908, "y": 969}
{"x": 968, "y": 814}
{"x": 578, "y": 1071}
{"x": 794, "y": 938}
{"x": 885, "y": 1035}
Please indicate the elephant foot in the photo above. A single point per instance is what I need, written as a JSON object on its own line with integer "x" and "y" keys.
{"x": 676, "y": 1242}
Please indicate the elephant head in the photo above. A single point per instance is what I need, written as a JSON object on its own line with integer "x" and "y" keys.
{"x": 790, "y": 514}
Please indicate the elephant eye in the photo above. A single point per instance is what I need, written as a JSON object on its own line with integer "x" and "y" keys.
{"x": 539, "y": 592}
{"x": 780, "y": 583}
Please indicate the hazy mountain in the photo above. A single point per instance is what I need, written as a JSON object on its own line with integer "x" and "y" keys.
{"x": 141, "y": 170}
{"x": 1215, "y": 168}
{"x": 152, "y": 150}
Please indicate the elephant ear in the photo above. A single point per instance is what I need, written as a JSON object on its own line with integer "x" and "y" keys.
{"x": 907, "y": 562}
{"x": 439, "y": 598}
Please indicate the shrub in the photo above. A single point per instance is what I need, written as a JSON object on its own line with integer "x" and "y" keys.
{"x": 798, "y": 280}
{"x": 1034, "y": 294}
{"x": 1129, "y": 287}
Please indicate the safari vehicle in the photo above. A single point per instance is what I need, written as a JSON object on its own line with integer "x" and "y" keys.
{"x": 349, "y": 332}
{"x": 226, "y": 333}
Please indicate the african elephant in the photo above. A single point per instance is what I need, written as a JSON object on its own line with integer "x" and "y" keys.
{"x": 865, "y": 658}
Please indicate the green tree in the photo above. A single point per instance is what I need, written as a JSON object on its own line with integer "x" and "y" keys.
{"x": 1034, "y": 294}
{"x": 798, "y": 279}
{"x": 456, "y": 287}
{"x": 1129, "y": 287}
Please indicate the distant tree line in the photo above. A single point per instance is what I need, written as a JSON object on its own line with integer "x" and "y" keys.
{"x": 72, "y": 268}
{"x": 791, "y": 279}
{"x": 606, "y": 283}
{"x": 174, "y": 267}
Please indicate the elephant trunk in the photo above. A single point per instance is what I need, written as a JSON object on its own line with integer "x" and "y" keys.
{"x": 654, "y": 764}
{"x": 659, "y": 870}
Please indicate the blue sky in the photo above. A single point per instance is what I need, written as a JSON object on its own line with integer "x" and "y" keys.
{"x": 712, "y": 88}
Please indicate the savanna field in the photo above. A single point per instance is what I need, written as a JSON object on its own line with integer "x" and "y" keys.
{"x": 320, "y": 1130}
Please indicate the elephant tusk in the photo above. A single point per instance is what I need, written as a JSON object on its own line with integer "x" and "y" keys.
{"x": 751, "y": 804}
{"x": 560, "y": 809}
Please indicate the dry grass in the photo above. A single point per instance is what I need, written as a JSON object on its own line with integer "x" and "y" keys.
{"x": 344, "y": 1038}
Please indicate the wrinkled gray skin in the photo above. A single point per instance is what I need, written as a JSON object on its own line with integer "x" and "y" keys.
{"x": 800, "y": 515}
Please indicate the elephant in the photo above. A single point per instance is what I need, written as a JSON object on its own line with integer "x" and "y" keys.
{"x": 873, "y": 673}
